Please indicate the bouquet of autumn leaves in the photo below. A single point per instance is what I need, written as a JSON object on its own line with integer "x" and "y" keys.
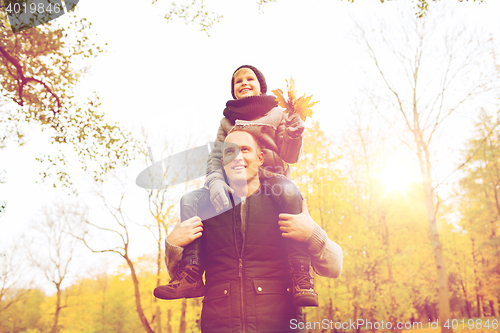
{"x": 301, "y": 106}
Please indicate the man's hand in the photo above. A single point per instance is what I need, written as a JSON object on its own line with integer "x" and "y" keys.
{"x": 186, "y": 232}
{"x": 297, "y": 227}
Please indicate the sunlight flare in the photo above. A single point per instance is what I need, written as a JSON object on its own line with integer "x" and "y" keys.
{"x": 397, "y": 175}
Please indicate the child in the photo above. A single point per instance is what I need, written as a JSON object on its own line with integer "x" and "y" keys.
{"x": 280, "y": 138}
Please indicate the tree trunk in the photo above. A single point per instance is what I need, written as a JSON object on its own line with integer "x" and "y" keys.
{"x": 424, "y": 159}
{"x": 429, "y": 313}
{"x": 355, "y": 304}
{"x": 138, "y": 305}
{"x": 498, "y": 303}
{"x": 182, "y": 323}
{"x": 467, "y": 304}
{"x": 169, "y": 321}
{"x": 468, "y": 309}
{"x": 158, "y": 319}
{"x": 158, "y": 281}
{"x": 394, "y": 316}
{"x": 330, "y": 304}
{"x": 492, "y": 307}
{"x": 478, "y": 283}
{"x": 58, "y": 308}
{"x": 442, "y": 278}
{"x": 483, "y": 307}
{"x": 479, "y": 307}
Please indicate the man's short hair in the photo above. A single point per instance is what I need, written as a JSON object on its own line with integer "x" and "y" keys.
{"x": 257, "y": 141}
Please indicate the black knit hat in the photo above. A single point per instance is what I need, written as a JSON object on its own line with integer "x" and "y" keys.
{"x": 258, "y": 74}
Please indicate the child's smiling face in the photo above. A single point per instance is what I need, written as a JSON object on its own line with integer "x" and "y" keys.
{"x": 246, "y": 83}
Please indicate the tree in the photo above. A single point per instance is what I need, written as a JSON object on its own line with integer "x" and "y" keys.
{"x": 25, "y": 314}
{"x": 119, "y": 231}
{"x": 3, "y": 204}
{"x": 195, "y": 11}
{"x": 380, "y": 220}
{"x": 13, "y": 284}
{"x": 322, "y": 184}
{"x": 38, "y": 75}
{"x": 369, "y": 212}
{"x": 101, "y": 303}
{"x": 51, "y": 251}
{"x": 162, "y": 207}
{"x": 162, "y": 212}
{"x": 427, "y": 72}
{"x": 480, "y": 210}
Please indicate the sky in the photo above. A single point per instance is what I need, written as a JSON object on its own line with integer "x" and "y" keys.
{"x": 173, "y": 81}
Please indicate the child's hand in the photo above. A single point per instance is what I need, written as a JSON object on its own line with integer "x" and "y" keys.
{"x": 294, "y": 126}
{"x": 218, "y": 195}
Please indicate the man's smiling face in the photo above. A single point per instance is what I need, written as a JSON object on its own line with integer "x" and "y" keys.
{"x": 241, "y": 158}
{"x": 246, "y": 83}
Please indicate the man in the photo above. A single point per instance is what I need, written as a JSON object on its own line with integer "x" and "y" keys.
{"x": 248, "y": 284}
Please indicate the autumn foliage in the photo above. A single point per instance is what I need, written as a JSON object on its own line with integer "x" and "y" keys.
{"x": 388, "y": 271}
{"x": 301, "y": 106}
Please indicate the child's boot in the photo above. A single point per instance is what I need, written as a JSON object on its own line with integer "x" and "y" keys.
{"x": 303, "y": 284}
{"x": 186, "y": 283}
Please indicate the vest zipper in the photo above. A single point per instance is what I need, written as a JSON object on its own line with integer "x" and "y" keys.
{"x": 243, "y": 232}
{"x": 241, "y": 295}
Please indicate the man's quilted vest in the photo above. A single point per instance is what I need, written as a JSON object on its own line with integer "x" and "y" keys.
{"x": 248, "y": 292}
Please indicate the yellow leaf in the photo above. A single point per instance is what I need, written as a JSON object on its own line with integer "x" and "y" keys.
{"x": 281, "y": 99}
{"x": 290, "y": 85}
{"x": 301, "y": 106}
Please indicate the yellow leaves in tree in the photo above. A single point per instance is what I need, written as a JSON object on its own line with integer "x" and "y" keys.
{"x": 301, "y": 106}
